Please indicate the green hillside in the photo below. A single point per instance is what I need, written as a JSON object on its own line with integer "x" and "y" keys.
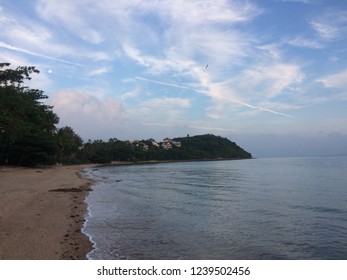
{"x": 209, "y": 146}
{"x": 201, "y": 147}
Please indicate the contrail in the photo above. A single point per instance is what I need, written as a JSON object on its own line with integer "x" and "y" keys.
{"x": 17, "y": 49}
{"x": 162, "y": 83}
{"x": 262, "y": 109}
{"x": 233, "y": 100}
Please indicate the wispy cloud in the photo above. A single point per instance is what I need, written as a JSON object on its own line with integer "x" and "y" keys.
{"x": 70, "y": 15}
{"x": 337, "y": 80}
{"x": 99, "y": 71}
{"x": 131, "y": 94}
{"x": 271, "y": 80}
{"x": 332, "y": 25}
{"x": 18, "y": 49}
{"x": 168, "y": 60}
{"x": 216, "y": 93}
{"x": 165, "y": 111}
{"x": 302, "y": 42}
{"x": 325, "y": 30}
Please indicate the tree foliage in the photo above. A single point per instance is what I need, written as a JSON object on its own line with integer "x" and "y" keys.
{"x": 27, "y": 126}
{"x": 69, "y": 144}
{"x": 99, "y": 151}
{"x": 209, "y": 146}
{"x": 200, "y": 147}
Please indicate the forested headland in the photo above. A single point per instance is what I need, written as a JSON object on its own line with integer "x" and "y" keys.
{"x": 29, "y": 134}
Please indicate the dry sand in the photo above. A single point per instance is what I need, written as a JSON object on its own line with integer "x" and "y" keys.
{"x": 42, "y": 211}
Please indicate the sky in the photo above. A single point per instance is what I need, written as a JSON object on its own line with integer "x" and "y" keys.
{"x": 270, "y": 75}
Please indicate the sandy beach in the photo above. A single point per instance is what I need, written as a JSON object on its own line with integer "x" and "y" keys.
{"x": 42, "y": 211}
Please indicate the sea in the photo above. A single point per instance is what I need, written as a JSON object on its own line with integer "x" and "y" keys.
{"x": 256, "y": 209}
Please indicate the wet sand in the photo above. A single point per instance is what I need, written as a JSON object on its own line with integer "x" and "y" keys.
{"x": 42, "y": 212}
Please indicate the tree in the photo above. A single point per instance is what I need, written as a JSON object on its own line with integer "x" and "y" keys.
{"x": 27, "y": 126}
{"x": 15, "y": 77}
{"x": 69, "y": 144}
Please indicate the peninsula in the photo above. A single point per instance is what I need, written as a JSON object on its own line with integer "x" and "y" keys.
{"x": 199, "y": 147}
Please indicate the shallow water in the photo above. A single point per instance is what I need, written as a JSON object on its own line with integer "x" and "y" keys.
{"x": 289, "y": 208}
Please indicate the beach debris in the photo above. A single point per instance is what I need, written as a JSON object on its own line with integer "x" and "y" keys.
{"x": 69, "y": 190}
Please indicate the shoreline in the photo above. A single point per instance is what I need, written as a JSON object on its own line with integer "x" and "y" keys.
{"x": 169, "y": 161}
{"x": 42, "y": 213}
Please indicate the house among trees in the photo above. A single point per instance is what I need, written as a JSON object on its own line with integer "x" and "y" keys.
{"x": 178, "y": 144}
{"x": 144, "y": 146}
{"x": 168, "y": 144}
{"x": 153, "y": 142}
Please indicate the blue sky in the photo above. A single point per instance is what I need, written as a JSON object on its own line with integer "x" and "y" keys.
{"x": 268, "y": 74}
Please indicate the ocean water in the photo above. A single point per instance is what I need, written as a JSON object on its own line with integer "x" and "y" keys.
{"x": 282, "y": 208}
